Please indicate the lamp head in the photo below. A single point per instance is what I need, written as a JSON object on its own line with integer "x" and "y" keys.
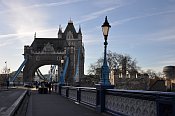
{"x": 105, "y": 27}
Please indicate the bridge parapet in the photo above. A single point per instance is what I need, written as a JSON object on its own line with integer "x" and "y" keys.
{"x": 125, "y": 102}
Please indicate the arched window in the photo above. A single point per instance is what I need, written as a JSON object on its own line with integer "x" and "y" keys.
{"x": 69, "y": 35}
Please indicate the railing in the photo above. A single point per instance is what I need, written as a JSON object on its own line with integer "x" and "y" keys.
{"x": 88, "y": 96}
{"x": 132, "y": 103}
{"x": 124, "y": 102}
{"x": 73, "y": 93}
{"x": 64, "y": 91}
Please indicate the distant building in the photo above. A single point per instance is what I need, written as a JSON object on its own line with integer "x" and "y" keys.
{"x": 19, "y": 78}
{"x": 3, "y": 79}
{"x": 136, "y": 81}
{"x": 169, "y": 74}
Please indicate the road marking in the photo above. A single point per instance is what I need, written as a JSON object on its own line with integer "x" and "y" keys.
{"x": 76, "y": 103}
{"x": 1, "y": 109}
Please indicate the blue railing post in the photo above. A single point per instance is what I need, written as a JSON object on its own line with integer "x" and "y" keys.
{"x": 78, "y": 95}
{"x": 67, "y": 92}
{"x": 59, "y": 88}
{"x": 100, "y": 98}
{"x": 165, "y": 106}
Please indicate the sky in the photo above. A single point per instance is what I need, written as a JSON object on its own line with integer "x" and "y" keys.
{"x": 144, "y": 29}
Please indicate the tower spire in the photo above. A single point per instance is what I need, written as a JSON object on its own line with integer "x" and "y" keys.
{"x": 70, "y": 21}
{"x": 60, "y": 32}
{"x": 35, "y": 35}
{"x": 60, "y": 29}
{"x": 79, "y": 31}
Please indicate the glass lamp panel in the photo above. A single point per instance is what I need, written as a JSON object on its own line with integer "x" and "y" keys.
{"x": 105, "y": 30}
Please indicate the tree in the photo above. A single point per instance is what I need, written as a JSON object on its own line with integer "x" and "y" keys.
{"x": 115, "y": 61}
{"x": 152, "y": 74}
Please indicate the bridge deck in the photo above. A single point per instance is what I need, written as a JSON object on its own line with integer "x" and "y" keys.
{"x": 8, "y": 97}
{"x": 54, "y": 105}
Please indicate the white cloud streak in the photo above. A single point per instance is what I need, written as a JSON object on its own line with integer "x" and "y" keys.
{"x": 95, "y": 14}
{"x": 65, "y": 2}
{"x": 119, "y": 22}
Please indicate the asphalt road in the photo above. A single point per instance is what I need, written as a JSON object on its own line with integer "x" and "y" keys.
{"x": 8, "y": 97}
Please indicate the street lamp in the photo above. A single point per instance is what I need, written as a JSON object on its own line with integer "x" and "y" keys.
{"x": 61, "y": 77}
{"x": 105, "y": 69}
{"x": 7, "y": 74}
{"x": 61, "y": 82}
{"x": 104, "y": 80}
{"x": 62, "y": 61}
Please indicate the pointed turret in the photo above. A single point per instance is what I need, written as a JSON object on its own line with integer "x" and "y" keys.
{"x": 70, "y": 28}
{"x": 60, "y": 32}
{"x": 79, "y": 31}
{"x": 70, "y": 21}
{"x": 35, "y": 35}
{"x": 60, "y": 29}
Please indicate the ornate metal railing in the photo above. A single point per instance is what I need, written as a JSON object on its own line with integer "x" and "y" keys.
{"x": 88, "y": 96}
{"x": 123, "y": 102}
{"x": 72, "y": 93}
{"x": 131, "y": 104}
{"x": 64, "y": 91}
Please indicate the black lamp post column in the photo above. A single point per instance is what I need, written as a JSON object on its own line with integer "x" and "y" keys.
{"x": 104, "y": 80}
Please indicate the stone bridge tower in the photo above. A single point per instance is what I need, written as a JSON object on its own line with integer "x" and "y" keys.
{"x": 50, "y": 51}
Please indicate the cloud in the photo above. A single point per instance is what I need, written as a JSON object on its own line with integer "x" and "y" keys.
{"x": 22, "y": 22}
{"x": 3, "y": 44}
{"x": 91, "y": 39}
{"x": 95, "y": 14}
{"x": 119, "y": 22}
{"x": 165, "y": 35}
{"x": 52, "y": 4}
{"x": 65, "y": 2}
{"x": 7, "y": 35}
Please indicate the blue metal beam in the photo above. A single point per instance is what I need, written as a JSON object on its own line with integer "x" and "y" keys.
{"x": 76, "y": 77}
{"x": 19, "y": 70}
{"x": 63, "y": 74}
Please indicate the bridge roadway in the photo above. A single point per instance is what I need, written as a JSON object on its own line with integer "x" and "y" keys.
{"x": 56, "y": 105}
{"x": 8, "y": 97}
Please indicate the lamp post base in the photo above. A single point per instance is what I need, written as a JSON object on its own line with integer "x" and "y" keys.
{"x": 100, "y": 107}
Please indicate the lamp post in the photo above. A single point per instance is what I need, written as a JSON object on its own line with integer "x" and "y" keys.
{"x": 7, "y": 74}
{"x": 104, "y": 80}
{"x": 61, "y": 77}
{"x": 61, "y": 82}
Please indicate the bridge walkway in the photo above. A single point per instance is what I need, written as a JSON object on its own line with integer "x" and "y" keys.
{"x": 56, "y": 105}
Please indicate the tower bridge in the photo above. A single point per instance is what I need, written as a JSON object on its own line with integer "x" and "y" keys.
{"x": 50, "y": 51}
{"x": 103, "y": 98}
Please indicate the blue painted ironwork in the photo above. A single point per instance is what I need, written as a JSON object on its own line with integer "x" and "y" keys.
{"x": 63, "y": 73}
{"x": 19, "y": 70}
{"x": 41, "y": 76}
{"x": 52, "y": 71}
{"x": 76, "y": 77}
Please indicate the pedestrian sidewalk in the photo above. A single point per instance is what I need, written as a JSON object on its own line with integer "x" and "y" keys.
{"x": 56, "y": 105}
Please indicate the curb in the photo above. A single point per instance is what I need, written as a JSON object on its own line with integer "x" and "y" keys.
{"x": 13, "y": 109}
